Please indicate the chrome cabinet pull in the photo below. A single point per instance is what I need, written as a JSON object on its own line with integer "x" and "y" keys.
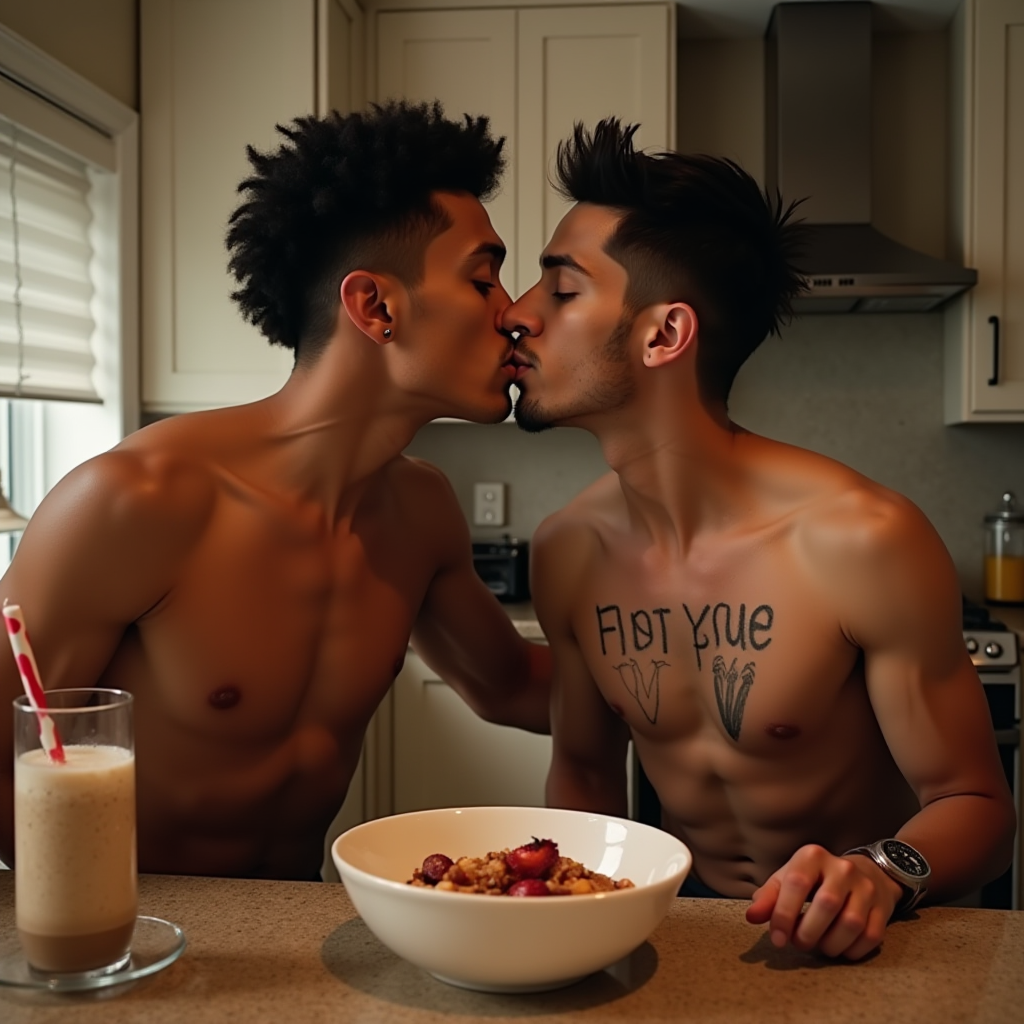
{"x": 994, "y": 379}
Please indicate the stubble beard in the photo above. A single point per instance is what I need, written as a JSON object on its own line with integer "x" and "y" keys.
{"x": 611, "y": 388}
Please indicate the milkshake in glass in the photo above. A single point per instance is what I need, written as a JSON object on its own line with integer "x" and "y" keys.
{"x": 74, "y": 834}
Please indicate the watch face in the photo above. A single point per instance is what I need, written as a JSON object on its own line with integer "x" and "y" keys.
{"x": 906, "y": 858}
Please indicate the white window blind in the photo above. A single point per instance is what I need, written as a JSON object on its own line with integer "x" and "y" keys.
{"x": 46, "y": 289}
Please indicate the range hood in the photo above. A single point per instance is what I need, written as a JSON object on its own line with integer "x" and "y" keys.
{"x": 818, "y": 133}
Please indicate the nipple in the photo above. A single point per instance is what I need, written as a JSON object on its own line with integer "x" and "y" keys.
{"x": 778, "y": 731}
{"x": 225, "y": 697}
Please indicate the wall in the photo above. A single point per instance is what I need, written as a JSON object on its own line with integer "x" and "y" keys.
{"x": 865, "y": 390}
{"x": 96, "y": 38}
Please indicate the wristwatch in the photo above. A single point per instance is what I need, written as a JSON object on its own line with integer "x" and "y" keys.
{"x": 903, "y": 864}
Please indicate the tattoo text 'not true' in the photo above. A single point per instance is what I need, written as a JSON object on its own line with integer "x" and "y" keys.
{"x": 639, "y": 630}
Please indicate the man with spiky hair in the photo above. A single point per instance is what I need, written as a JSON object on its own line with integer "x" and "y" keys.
{"x": 779, "y": 636}
{"x": 253, "y": 574}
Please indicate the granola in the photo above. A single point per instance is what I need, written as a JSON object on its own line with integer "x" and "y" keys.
{"x": 535, "y": 869}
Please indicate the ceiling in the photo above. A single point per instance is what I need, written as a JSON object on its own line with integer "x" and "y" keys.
{"x": 721, "y": 19}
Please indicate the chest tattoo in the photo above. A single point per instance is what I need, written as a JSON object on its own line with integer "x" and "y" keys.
{"x": 731, "y": 698}
{"x": 623, "y": 633}
{"x": 646, "y": 694}
{"x": 747, "y": 630}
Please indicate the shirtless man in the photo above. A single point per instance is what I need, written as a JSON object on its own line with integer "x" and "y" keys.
{"x": 252, "y": 575}
{"x": 779, "y": 635}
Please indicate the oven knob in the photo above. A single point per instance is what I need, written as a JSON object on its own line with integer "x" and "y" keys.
{"x": 972, "y": 645}
{"x": 993, "y": 650}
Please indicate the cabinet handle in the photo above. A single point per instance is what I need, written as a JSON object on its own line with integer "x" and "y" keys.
{"x": 994, "y": 379}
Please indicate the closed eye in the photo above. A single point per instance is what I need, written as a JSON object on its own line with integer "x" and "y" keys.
{"x": 564, "y": 296}
{"x": 484, "y": 287}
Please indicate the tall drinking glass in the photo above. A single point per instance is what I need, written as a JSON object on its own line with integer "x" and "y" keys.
{"x": 76, "y": 881}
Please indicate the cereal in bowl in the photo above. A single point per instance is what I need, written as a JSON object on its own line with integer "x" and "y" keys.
{"x": 535, "y": 869}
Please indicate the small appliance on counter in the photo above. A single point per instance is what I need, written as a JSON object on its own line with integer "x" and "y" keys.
{"x": 504, "y": 565}
{"x": 1004, "y": 553}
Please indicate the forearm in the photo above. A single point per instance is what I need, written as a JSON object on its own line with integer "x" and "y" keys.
{"x": 529, "y": 707}
{"x": 967, "y": 840}
{"x": 513, "y": 690}
{"x": 598, "y": 789}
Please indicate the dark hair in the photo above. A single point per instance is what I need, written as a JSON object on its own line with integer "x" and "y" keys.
{"x": 696, "y": 229}
{"x": 345, "y": 193}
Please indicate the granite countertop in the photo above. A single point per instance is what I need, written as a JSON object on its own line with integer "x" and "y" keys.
{"x": 297, "y": 952}
{"x": 1011, "y": 615}
{"x": 524, "y": 618}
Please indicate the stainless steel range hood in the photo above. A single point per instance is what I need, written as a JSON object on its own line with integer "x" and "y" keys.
{"x": 818, "y": 131}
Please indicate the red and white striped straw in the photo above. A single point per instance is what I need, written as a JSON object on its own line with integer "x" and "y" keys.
{"x": 29, "y": 671}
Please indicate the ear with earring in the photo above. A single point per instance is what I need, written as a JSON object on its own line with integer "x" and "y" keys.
{"x": 387, "y": 332}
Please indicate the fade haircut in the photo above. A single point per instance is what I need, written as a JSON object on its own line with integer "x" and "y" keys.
{"x": 346, "y": 193}
{"x": 694, "y": 229}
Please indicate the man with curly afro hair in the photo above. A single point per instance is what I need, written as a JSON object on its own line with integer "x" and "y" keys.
{"x": 253, "y": 574}
{"x": 779, "y": 636}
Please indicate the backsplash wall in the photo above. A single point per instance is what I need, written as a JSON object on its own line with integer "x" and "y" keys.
{"x": 866, "y": 390}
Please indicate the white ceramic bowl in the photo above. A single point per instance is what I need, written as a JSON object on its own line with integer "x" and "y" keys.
{"x": 509, "y": 944}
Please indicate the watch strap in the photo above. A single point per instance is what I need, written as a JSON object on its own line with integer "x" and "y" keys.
{"x": 912, "y": 894}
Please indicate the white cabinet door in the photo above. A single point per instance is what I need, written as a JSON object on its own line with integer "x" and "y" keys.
{"x": 340, "y": 56}
{"x": 465, "y": 59}
{"x": 985, "y": 328}
{"x": 584, "y": 64}
{"x": 216, "y": 75}
{"x": 445, "y": 756}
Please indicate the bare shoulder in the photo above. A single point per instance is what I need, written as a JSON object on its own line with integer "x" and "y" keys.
{"x": 595, "y": 512}
{"x": 875, "y": 555}
{"x": 144, "y": 487}
{"x": 568, "y": 542}
{"x": 855, "y": 519}
{"x": 421, "y": 492}
{"x": 109, "y": 539}
{"x": 416, "y": 478}
{"x": 416, "y": 497}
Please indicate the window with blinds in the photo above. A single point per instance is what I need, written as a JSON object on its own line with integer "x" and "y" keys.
{"x": 46, "y": 259}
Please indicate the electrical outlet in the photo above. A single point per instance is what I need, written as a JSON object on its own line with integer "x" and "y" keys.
{"x": 488, "y": 504}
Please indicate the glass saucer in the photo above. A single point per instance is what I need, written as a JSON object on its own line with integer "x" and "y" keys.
{"x": 155, "y": 945}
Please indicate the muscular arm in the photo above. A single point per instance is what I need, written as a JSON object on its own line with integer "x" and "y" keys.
{"x": 463, "y": 633}
{"x": 881, "y": 564}
{"x": 588, "y": 765}
{"x": 97, "y": 554}
{"x": 930, "y": 705}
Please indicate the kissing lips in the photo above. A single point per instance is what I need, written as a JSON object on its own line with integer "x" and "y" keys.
{"x": 508, "y": 366}
{"x": 522, "y": 365}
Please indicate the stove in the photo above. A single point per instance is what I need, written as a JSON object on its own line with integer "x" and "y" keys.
{"x": 995, "y": 653}
{"x": 992, "y": 645}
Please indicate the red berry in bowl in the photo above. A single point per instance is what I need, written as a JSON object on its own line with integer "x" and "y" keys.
{"x": 534, "y": 859}
{"x": 528, "y": 887}
{"x": 435, "y": 866}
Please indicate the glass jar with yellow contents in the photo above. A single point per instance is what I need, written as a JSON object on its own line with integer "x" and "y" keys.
{"x": 1004, "y": 553}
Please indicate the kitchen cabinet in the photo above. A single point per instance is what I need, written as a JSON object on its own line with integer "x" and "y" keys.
{"x": 984, "y": 347}
{"x": 443, "y": 755}
{"x": 217, "y": 75}
{"x": 534, "y": 71}
{"x": 425, "y": 748}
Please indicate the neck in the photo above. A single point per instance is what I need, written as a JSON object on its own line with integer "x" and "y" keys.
{"x": 338, "y": 421}
{"x": 683, "y": 467}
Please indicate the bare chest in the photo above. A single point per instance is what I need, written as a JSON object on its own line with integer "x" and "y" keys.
{"x": 270, "y": 625}
{"x": 750, "y": 657}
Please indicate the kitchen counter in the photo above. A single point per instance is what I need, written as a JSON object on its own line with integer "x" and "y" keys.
{"x": 297, "y": 952}
{"x": 1011, "y": 615}
{"x": 524, "y": 618}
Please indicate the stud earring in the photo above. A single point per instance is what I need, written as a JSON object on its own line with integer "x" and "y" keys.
{"x": 387, "y": 332}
